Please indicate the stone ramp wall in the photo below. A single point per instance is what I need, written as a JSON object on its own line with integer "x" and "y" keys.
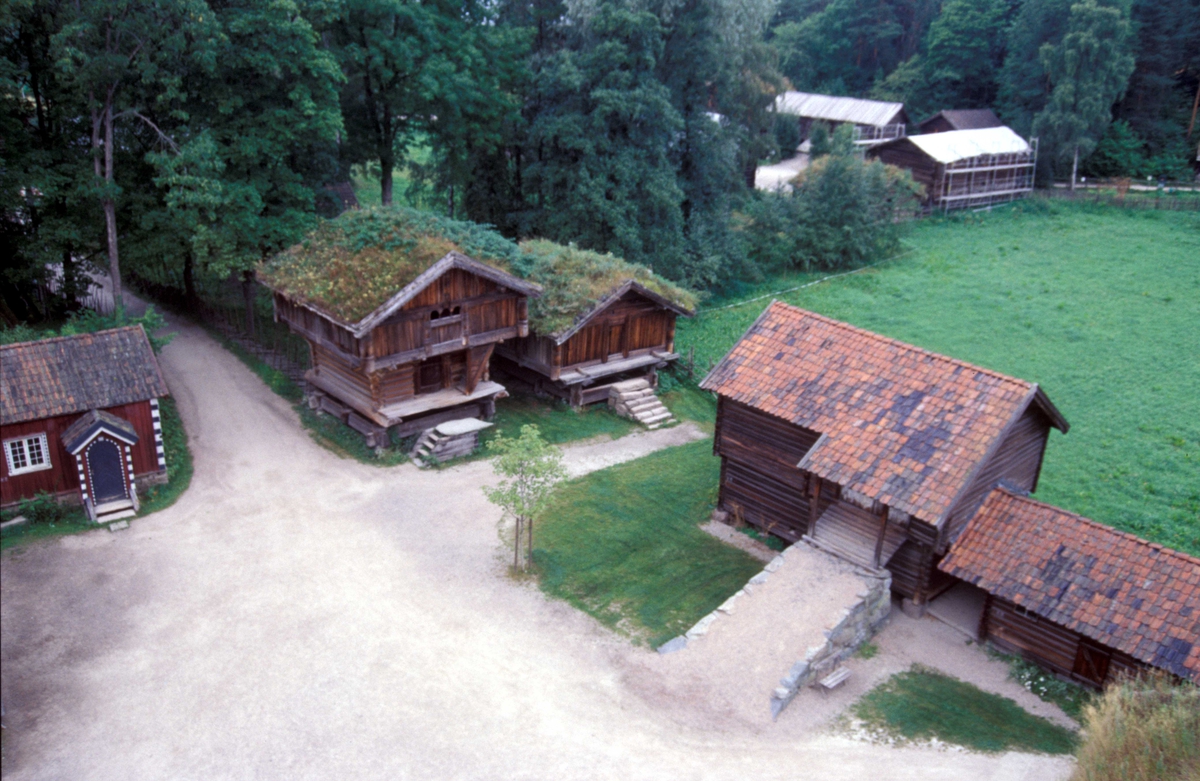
{"x": 857, "y": 624}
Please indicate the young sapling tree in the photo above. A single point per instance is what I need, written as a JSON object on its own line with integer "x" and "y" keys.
{"x": 532, "y": 468}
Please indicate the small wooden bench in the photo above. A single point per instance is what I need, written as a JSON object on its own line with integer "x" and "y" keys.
{"x": 834, "y": 679}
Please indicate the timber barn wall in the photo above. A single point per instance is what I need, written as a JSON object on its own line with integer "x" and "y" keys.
{"x": 1052, "y": 645}
{"x": 1017, "y": 460}
{"x": 759, "y": 478}
{"x": 63, "y": 475}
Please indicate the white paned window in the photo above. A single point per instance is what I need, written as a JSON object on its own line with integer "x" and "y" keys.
{"x": 27, "y": 454}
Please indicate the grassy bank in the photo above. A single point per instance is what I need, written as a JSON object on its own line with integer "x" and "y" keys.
{"x": 623, "y": 544}
{"x": 1098, "y": 305}
{"x": 923, "y": 704}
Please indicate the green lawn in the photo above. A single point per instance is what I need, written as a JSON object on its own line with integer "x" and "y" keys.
{"x": 923, "y": 704}
{"x": 623, "y": 544}
{"x": 1099, "y": 305}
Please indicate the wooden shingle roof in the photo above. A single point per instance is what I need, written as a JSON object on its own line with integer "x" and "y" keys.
{"x": 966, "y": 118}
{"x": 1117, "y": 589}
{"x": 904, "y": 426}
{"x": 68, "y": 374}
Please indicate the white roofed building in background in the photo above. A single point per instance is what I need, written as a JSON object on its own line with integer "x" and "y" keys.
{"x": 965, "y": 168}
{"x": 875, "y": 121}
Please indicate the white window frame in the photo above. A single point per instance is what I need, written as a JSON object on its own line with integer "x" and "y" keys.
{"x": 26, "y": 451}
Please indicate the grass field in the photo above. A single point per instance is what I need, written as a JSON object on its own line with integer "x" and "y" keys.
{"x": 623, "y": 544}
{"x": 922, "y": 704}
{"x": 1100, "y": 306}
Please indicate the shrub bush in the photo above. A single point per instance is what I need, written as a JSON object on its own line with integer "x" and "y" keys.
{"x": 1143, "y": 729}
{"x": 43, "y": 508}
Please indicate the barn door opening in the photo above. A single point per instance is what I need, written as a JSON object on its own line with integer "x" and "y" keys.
{"x": 106, "y": 470}
{"x": 429, "y": 376}
{"x": 1091, "y": 662}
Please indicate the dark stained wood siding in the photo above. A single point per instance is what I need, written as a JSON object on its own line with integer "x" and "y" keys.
{"x": 1049, "y": 644}
{"x": 1016, "y": 461}
{"x": 629, "y": 325}
{"x": 351, "y": 384}
{"x": 759, "y": 478}
{"x": 904, "y": 154}
{"x": 63, "y": 475}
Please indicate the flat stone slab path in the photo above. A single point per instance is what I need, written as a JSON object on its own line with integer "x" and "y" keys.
{"x": 299, "y": 616}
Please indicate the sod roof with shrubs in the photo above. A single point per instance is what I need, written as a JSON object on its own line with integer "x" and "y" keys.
{"x": 350, "y": 266}
{"x": 577, "y": 282}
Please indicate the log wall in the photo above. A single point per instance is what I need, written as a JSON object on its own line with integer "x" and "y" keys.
{"x": 1017, "y": 460}
{"x": 759, "y": 479}
{"x": 1052, "y": 645}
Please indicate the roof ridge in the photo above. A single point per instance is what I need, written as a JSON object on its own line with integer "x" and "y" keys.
{"x": 64, "y": 337}
{"x": 1103, "y": 526}
{"x": 880, "y": 337}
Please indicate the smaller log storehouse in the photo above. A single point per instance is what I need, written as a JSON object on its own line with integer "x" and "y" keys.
{"x": 81, "y": 420}
{"x": 600, "y": 321}
{"x": 1077, "y": 597}
{"x": 400, "y": 321}
{"x": 876, "y": 450}
{"x": 964, "y": 168}
{"x": 874, "y": 121}
{"x": 960, "y": 119}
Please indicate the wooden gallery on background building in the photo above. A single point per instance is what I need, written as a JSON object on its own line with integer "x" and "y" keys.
{"x": 893, "y": 457}
{"x": 81, "y": 422}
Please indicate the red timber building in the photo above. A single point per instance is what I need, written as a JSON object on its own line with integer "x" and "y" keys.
{"x": 80, "y": 420}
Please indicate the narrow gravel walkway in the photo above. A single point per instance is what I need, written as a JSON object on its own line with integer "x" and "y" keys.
{"x": 298, "y": 616}
{"x": 590, "y": 457}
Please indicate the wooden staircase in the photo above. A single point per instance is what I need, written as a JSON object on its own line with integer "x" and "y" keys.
{"x": 447, "y": 440}
{"x": 635, "y": 399}
{"x": 848, "y": 531}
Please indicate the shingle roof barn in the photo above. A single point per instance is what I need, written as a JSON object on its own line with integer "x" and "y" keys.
{"x": 838, "y": 109}
{"x": 69, "y": 374}
{"x": 904, "y": 426}
{"x": 1129, "y": 594}
{"x": 965, "y": 119}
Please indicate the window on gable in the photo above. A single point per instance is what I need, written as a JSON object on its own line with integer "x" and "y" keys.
{"x": 27, "y": 454}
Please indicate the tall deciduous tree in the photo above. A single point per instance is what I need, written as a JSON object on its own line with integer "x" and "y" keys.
{"x": 1088, "y": 72}
{"x": 117, "y": 58}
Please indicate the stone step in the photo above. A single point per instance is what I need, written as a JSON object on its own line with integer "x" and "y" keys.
{"x": 661, "y": 417}
{"x": 638, "y": 394}
{"x": 630, "y": 385}
{"x": 647, "y": 401}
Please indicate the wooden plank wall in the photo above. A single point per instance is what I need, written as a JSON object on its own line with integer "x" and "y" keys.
{"x": 63, "y": 474}
{"x": 351, "y": 384}
{"x": 1051, "y": 645}
{"x": 907, "y": 155}
{"x": 1017, "y": 461}
{"x": 629, "y": 324}
{"x": 759, "y": 478}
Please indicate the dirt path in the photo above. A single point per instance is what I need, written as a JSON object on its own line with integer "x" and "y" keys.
{"x": 297, "y": 616}
{"x": 583, "y": 458}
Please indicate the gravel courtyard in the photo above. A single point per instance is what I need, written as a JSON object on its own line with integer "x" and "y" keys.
{"x": 299, "y": 616}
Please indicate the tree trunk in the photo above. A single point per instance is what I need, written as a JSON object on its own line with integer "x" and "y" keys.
{"x": 189, "y": 278}
{"x": 1074, "y": 167}
{"x": 110, "y": 207}
{"x": 248, "y": 298}
{"x": 386, "y": 162}
{"x": 517, "y": 546}
{"x": 529, "y": 542}
{"x": 70, "y": 281}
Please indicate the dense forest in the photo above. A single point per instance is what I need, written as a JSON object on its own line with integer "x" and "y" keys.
{"x": 189, "y": 139}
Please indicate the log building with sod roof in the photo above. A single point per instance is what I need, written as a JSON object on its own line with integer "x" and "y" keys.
{"x": 599, "y": 322}
{"x": 81, "y": 422}
{"x": 890, "y": 456}
{"x": 875, "y": 450}
{"x": 400, "y": 319}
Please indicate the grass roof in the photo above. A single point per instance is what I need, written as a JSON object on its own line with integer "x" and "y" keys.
{"x": 351, "y": 265}
{"x": 574, "y": 280}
